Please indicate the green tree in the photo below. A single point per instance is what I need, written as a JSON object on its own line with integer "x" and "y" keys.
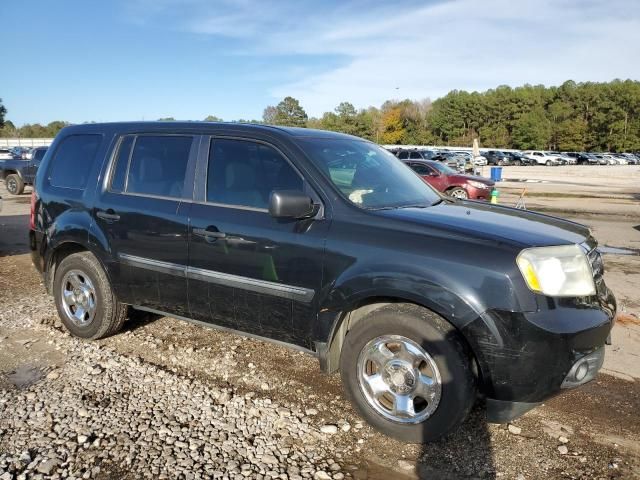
{"x": 532, "y": 130}
{"x": 3, "y": 112}
{"x": 269, "y": 115}
{"x": 289, "y": 113}
{"x": 212, "y": 118}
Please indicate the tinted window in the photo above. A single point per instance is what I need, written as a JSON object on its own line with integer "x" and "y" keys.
{"x": 415, "y": 155}
{"x": 158, "y": 165}
{"x": 245, "y": 173}
{"x": 121, "y": 164}
{"x": 420, "y": 169}
{"x": 72, "y": 161}
{"x": 39, "y": 154}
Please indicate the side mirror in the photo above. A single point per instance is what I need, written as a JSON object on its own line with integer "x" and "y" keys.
{"x": 291, "y": 204}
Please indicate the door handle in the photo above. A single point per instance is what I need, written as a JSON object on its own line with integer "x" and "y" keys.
{"x": 109, "y": 215}
{"x": 209, "y": 233}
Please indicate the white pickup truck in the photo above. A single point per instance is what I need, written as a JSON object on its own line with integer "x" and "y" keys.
{"x": 541, "y": 158}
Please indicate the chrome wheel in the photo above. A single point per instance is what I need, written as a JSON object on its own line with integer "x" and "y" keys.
{"x": 459, "y": 193}
{"x": 399, "y": 379}
{"x": 12, "y": 185}
{"x": 78, "y": 298}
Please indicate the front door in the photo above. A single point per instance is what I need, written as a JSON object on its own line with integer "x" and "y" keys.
{"x": 248, "y": 270}
{"x": 143, "y": 211}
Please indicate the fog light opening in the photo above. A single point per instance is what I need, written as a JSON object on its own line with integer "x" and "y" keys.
{"x": 584, "y": 369}
{"x": 581, "y": 371}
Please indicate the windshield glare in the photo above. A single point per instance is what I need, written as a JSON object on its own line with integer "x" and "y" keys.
{"x": 444, "y": 169}
{"x": 367, "y": 175}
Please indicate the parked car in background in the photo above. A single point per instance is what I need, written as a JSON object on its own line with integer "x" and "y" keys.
{"x": 610, "y": 159}
{"x": 451, "y": 182}
{"x": 496, "y": 157}
{"x": 19, "y": 153}
{"x": 17, "y": 173}
{"x": 468, "y": 157}
{"x": 581, "y": 158}
{"x": 518, "y": 159}
{"x": 541, "y": 158}
{"x": 5, "y": 154}
{"x": 563, "y": 158}
{"x": 631, "y": 158}
{"x": 453, "y": 161}
{"x": 415, "y": 154}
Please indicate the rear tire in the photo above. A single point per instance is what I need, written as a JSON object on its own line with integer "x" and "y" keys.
{"x": 418, "y": 329}
{"x": 14, "y": 184}
{"x": 85, "y": 301}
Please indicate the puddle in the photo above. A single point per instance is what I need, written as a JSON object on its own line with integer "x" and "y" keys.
{"x": 618, "y": 251}
{"x": 25, "y": 375}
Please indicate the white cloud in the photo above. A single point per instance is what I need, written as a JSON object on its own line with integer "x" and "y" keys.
{"x": 427, "y": 49}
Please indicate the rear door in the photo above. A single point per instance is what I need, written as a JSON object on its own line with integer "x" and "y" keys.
{"x": 247, "y": 270}
{"x": 143, "y": 211}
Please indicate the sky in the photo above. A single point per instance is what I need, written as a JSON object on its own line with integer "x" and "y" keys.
{"x": 83, "y": 60}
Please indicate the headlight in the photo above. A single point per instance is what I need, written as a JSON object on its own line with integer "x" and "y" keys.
{"x": 562, "y": 271}
{"x": 481, "y": 185}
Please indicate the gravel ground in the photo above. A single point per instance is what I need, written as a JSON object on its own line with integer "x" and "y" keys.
{"x": 168, "y": 399}
{"x": 101, "y": 407}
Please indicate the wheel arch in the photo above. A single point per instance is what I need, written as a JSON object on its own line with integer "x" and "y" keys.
{"x": 63, "y": 249}
{"x": 329, "y": 352}
{"x": 9, "y": 171}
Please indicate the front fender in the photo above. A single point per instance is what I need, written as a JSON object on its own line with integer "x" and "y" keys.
{"x": 431, "y": 288}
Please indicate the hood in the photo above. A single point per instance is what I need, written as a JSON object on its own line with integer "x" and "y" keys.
{"x": 461, "y": 178}
{"x": 493, "y": 222}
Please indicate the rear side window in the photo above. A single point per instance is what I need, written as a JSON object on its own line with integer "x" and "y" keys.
{"x": 245, "y": 173}
{"x": 151, "y": 165}
{"x": 415, "y": 155}
{"x": 73, "y": 160}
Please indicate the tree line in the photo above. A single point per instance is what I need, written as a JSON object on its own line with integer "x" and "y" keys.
{"x": 586, "y": 116}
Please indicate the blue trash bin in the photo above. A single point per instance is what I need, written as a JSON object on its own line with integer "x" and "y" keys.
{"x": 496, "y": 174}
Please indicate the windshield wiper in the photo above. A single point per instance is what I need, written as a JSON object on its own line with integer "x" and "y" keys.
{"x": 394, "y": 207}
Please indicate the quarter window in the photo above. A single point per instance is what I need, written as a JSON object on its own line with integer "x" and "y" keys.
{"x": 244, "y": 173}
{"x": 73, "y": 160}
{"x": 119, "y": 174}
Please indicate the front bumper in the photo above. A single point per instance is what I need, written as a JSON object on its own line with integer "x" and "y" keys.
{"x": 527, "y": 358}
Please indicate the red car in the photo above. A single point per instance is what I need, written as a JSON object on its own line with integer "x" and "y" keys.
{"x": 450, "y": 182}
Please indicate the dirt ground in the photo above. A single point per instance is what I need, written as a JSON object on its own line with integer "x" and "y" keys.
{"x": 598, "y": 423}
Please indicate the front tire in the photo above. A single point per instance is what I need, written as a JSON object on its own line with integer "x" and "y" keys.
{"x": 84, "y": 299}
{"x": 407, "y": 372}
{"x": 458, "y": 192}
{"x": 14, "y": 184}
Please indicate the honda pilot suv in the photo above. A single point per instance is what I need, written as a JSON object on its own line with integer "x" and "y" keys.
{"x": 330, "y": 244}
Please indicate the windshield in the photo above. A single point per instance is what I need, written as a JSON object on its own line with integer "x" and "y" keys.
{"x": 367, "y": 175}
{"x": 443, "y": 168}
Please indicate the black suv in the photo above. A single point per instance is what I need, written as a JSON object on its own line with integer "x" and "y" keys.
{"x": 330, "y": 244}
